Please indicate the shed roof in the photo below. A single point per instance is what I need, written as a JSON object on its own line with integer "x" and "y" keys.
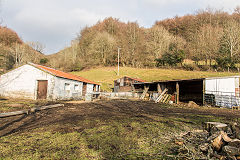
{"x": 62, "y": 74}
{"x": 182, "y": 80}
{"x": 136, "y": 79}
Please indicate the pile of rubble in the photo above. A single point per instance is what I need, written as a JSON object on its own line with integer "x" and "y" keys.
{"x": 216, "y": 141}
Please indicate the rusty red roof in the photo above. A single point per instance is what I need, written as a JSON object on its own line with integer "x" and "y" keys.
{"x": 63, "y": 74}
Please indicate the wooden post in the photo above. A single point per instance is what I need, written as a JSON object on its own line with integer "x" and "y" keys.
{"x": 177, "y": 90}
{"x": 204, "y": 92}
{"x": 159, "y": 88}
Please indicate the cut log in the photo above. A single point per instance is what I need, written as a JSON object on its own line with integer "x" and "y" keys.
{"x": 48, "y": 107}
{"x": 32, "y": 110}
{"x": 218, "y": 125}
{"x": 2, "y": 115}
{"x": 225, "y": 137}
{"x": 217, "y": 143}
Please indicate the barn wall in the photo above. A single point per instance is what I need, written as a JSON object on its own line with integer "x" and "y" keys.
{"x": 89, "y": 88}
{"x": 22, "y": 82}
{"x": 67, "y": 89}
{"x": 225, "y": 86}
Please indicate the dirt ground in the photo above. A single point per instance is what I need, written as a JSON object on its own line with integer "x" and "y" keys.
{"x": 67, "y": 118}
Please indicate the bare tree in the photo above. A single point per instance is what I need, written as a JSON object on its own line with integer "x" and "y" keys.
{"x": 207, "y": 42}
{"x": 37, "y": 46}
{"x": 158, "y": 41}
{"x": 231, "y": 37}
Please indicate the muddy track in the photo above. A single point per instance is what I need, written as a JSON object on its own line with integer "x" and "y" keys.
{"x": 67, "y": 118}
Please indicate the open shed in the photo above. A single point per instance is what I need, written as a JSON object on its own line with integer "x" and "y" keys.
{"x": 124, "y": 84}
{"x": 219, "y": 91}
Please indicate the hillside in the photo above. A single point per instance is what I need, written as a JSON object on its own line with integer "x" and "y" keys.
{"x": 206, "y": 35}
{"x": 14, "y": 52}
{"x": 106, "y": 75}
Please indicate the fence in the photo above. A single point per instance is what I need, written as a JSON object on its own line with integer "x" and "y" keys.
{"x": 119, "y": 95}
{"x": 222, "y": 99}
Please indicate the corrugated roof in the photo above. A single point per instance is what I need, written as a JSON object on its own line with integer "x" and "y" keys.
{"x": 62, "y": 74}
{"x": 180, "y": 80}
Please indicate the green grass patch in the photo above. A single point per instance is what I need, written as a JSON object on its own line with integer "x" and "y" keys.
{"x": 106, "y": 76}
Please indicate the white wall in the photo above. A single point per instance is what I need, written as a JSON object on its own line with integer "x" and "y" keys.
{"x": 89, "y": 88}
{"x": 22, "y": 82}
{"x": 225, "y": 86}
{"x": 61, "y": 93}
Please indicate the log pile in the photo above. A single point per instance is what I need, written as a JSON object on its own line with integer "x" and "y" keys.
{"x": 223, "y": 141}
{"x": 217, "y": 141}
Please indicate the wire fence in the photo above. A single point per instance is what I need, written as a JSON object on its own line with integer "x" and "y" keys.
{"x": 222, "y": 99}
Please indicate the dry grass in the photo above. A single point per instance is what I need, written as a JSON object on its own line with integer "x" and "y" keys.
{"x": 105, "y": 76}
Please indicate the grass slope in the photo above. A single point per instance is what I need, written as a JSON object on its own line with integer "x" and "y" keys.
{"x": 106, "y": 76}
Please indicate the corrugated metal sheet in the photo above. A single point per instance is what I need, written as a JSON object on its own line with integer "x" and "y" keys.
{"x": 225, "y": 85}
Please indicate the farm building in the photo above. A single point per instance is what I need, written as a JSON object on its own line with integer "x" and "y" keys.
{"x": 124, "y": 84}
{"x": 218, "y": 91}
{"x": 32, "y": 81}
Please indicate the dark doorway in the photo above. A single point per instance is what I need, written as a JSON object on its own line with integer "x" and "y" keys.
{"x": 42, "y": 89}
{"x": 191, "y": 90}
{"x": 84, "y": 89}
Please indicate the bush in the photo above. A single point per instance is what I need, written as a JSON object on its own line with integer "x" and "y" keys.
{"x": 204, "y": 67}
{"x": 171, "y": 58}
{"x": 43, "y": 61}
{"x": 190, "y": 67}
{"x": 226, "y": 62}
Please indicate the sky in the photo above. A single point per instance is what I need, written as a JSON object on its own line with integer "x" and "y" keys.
{"x": 55, "y": 23}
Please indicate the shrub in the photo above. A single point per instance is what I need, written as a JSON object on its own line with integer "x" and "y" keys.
{"x": 190, "y": 67}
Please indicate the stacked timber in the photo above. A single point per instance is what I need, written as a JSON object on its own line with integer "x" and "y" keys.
{"x": 216, "y": 141}
{"x": 223, "y": 141}
{"x": 163, "y": 97}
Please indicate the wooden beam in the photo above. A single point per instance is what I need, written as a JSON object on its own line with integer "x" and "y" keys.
{"x": 159, "y": 88}
{"x": 144, "y": 92}
{"x": 32, "y": 110}
{"x": 177, "y": 91}
{"x": 161, "y": 95}
{"x": 203, "y": 92}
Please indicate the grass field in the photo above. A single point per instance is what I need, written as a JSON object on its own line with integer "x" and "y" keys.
{"x": 117, "y": 129}
{"x": 106, "y": 76}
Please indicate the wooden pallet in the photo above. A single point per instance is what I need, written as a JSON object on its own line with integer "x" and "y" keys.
{"x": 144, "y": 93}
{"x": 160, "y": 97}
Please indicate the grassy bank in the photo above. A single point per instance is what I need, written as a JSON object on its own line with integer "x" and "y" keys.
{"x": 106, "y": 76}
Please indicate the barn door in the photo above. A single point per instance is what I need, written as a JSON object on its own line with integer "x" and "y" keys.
{"x": 42, "y": 89}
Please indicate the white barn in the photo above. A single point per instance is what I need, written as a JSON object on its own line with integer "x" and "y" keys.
{"x": 32, "y": 81}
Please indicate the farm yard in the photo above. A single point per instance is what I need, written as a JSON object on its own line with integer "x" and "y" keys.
{"x": 119, "y": 89}
{"x": 113, "y": 129}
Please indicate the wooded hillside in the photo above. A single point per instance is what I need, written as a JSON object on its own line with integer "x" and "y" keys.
{"x": 14, "y": 52}
{"x": 208, "y": 35}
